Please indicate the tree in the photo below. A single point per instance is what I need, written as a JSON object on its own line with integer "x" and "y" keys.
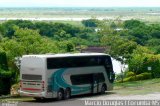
{"x": 138, "y": 59}
{"x": 141, "y": 35}
{"x": 153, "y": 44}
{"x": 130, "y": 24}
{"x": 46, "y": 29}
{"x": 3, "y": 61}
{"x": 120, "y": 49}
{"x": 6, "y": 75}
{"x": 30, "y": 39}
{"x": 7, "y": 28}
{"x": 27, "y": 41}
{"x": 90, "y": 22}
{"x": 155, "y": 30}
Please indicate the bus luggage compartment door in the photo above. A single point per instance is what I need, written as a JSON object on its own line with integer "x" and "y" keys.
{"x": 95, "y": 83}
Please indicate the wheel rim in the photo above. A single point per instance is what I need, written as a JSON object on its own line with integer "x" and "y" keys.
{"x": 60, "y": 95}
{"x": 67, "y": 95}
{"x": 103, "y": 89}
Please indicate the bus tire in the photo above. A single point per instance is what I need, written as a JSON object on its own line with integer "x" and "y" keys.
{"x": 60, "y": 94}
{"x": 67, "y": 93}
{"x": 38, "y": 99}
{"x": 103, "y": 89}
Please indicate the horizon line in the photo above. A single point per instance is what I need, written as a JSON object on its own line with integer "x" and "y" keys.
{"x": 81, "y": 7}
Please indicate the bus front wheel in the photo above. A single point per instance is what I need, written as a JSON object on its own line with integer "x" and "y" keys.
{"x": 103, "y": 89}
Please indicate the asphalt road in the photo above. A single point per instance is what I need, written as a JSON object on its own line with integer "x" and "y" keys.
{"x": 73, "y": 101}
{"x": 70, "y": 102}
{"x": 96, "y": 100}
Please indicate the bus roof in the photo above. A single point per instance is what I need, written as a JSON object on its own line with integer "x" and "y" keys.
{"x": 64, "y": 55}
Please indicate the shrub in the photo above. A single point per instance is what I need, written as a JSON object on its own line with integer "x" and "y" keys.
{"x": 132, "y": 78}
{"x": 3, "y": 61}
{"x": 129, "y": 74}
{"x": 6, "y": 77}
{"x": 127, "y": 79}
{"x": 118, "y": 77}
{"x": 14, "y": 90}
{"x": 140, "y": 62}
{"x": 142, "y": 76}
{"x": 90, "y": 22}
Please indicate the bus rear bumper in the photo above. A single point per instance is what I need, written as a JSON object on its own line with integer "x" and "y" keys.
{"x": 39, "y": 94}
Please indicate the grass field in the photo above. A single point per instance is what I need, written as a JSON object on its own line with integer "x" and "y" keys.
{"x": 138, "y": 87}
{"x": 149, "y": 14}
{"x": 17, "y": 99}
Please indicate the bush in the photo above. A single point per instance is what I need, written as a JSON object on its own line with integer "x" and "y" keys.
{"x": 132, "y": 78}
{"x": 127, "y": 79}
{"x": 14, "y": 90}
{"x": 118, "y": 77}
{"x": 3, "y": 61}
{"x": 129, "y": 74}
{"x": 142, "y": 76}
{"x": 90, "y": 22}
{"x": 140, "y": 62}
{"x": 6, "y": 77}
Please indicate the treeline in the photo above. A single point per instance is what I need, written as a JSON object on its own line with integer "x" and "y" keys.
{"x": 132, "y": 42}
{"x": 20, "y": 37}
{"x": 55, "y": 31}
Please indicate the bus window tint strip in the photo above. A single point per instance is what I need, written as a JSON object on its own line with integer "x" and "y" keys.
{"x": 31, "y": 77}
{"x": 84, "y": 61}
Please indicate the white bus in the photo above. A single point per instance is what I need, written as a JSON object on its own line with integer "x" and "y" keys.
{"x": 63, "y": 75}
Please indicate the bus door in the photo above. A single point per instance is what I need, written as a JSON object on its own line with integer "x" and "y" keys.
{"x": 95, "y": 83}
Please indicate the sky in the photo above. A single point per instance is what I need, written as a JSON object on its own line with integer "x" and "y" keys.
{"x": 79, "y": 3}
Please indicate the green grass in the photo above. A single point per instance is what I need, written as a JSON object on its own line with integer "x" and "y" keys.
{"x": 17, "y": 99}
{"x": 123, "y": 13}
{"x": 76, "y": 23}
{"x": 71, "y": 22}
{"x": 138, "y": 87}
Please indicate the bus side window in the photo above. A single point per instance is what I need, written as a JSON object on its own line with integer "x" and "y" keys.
{"x": 107, "y": 63}
{"x": 101, "y": 77}
{"x": 99, "y": 61}
{"x": 81, "y": 79}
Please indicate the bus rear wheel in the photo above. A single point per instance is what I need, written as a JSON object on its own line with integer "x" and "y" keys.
{"x": 60, "y": 94}
{"x": 67, "y": 93}
{"x": 38, "y": 99}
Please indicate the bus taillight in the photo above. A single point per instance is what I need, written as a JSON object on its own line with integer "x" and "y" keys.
{"x": 20, "y": 84}
{"x": 43, "y": 85}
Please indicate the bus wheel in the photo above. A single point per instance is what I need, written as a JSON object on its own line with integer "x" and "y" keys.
{"x": 103, "y": 89}
{"x": 67, "y": 93}
{"x": 38, "y": 99}
{"x": 60, "y": 94}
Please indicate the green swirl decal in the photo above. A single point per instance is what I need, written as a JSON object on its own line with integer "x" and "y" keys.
{"x": 59, "y": 82}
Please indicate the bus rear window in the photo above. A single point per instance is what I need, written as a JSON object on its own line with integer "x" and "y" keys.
{"x": 31, "y": 77}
